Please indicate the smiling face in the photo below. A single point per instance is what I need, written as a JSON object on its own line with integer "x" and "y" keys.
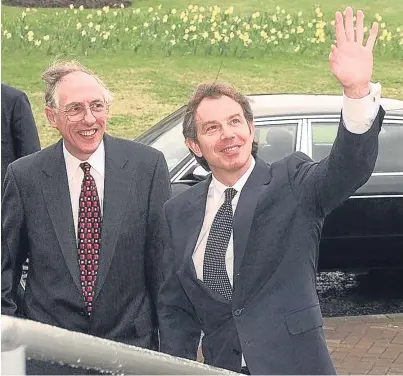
{"x": 79, "y": 90}
{"x": 224, "y": 138}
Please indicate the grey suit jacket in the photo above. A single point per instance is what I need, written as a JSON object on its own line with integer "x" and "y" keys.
{"x": 274, "y": 318}
{"x": 37, "y": 221}
{"x": 19, "y": 135}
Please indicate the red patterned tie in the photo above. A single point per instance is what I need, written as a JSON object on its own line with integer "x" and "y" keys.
{"x": 89, "y": 235}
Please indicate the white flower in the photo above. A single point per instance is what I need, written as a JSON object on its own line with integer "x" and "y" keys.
{"x": 97, "y": 27}
{"x": 38, "y": 43}
{"x": 8, "y": 36}
{"x": 71, "y": 6}
{"x": 83, "y": 33}
{"x": 46, "y": 37}
{"x": 126, "y": 28}
{"x": 89, "y": 16}
{"x": 93, "y": 40}
{"x": 99, "y": 13}
{"x": 81, "y": 7}
{"x": 78, "y": 26}
{"x": 90, "y": 25}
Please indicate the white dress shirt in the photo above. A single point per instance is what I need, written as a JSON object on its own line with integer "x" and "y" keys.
{"x": 358, "y": 116}
{"x": 75, "y": 176}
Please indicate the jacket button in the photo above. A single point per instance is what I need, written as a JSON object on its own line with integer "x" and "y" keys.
{"x": 238, "y": 312}
{"x": 236, "y": 352}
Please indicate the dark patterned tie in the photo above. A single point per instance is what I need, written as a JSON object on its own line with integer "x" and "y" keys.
{"x": 215, "y": 274}
{"x": 89, "y": 235}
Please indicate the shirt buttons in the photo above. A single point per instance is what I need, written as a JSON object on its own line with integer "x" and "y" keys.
{"x": 238, "y": 312}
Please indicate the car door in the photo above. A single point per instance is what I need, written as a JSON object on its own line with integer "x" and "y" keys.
{"x": 366, "y": 231}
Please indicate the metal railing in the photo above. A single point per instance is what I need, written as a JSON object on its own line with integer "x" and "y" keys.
{"x": 51, "y": 344}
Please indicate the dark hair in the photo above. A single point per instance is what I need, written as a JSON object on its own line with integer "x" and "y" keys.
{"x": 213, "y": 91}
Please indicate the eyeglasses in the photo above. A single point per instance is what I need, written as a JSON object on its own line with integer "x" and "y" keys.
{"x": 76, "y": 112}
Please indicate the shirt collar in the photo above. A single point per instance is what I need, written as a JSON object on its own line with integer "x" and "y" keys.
{"x": 219, "y": 188}
{"x": 96, "y": 160}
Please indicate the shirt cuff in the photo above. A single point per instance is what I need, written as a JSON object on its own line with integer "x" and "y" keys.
{"x": 359, "y": 114}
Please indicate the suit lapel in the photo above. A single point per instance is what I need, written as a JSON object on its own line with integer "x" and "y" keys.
{"x": 245, "y": 211}
{"x": 118, "y": 185}
{"x": 56, "y": 194}
{"x": 194, "y": 213}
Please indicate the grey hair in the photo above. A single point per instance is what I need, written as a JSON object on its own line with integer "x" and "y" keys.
{"x": 54, "y": 74}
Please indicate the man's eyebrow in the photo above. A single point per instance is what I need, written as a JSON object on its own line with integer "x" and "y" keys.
{"x": 234, "y": 116}
{"x": 209, "y": 122}
{"x": 75, "y": 103}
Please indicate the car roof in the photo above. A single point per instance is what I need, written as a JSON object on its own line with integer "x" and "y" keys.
{"x": 309, "y": 104}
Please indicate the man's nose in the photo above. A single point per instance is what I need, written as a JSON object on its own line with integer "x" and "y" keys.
{"x": 89, "y": 118}
{"x": 227, "y": 132}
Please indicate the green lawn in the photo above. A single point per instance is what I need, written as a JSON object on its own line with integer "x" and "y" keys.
{"x": 148, "y": 86}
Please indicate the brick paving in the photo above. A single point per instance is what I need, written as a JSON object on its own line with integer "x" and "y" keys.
{"x": 366, "y": 345}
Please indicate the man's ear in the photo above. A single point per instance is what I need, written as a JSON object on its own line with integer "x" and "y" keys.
{"x": 194, "y": 146}
{"x": 252, "y": 129}
{"x": 50, "y": 115}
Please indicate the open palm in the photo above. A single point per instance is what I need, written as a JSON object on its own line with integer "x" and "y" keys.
{"x": 351, "y": 62}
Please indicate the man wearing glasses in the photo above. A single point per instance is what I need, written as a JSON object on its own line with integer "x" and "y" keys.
{"x": 86, "y": 211}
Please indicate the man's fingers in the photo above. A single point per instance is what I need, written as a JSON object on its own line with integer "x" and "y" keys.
{"x": 332, "y": 54}
{"x": 359, "y": 27}
{"x": 340, "y": 32}
{"x": 372, "y": 36}
{"x": 349, "y": 24}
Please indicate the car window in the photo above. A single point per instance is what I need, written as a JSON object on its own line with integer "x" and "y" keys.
{"x": 171, "y": 143}
{"x": 276, "y": 141}
{"x": 390, "y": 153}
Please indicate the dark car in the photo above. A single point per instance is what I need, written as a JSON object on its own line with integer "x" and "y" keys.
{"x": 366, "y": 231}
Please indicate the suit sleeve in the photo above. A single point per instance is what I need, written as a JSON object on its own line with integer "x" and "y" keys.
{"x": 179, "y": 327}
{"x": 14, "y": 247}
{"x": 25, "y": 132}
{"x": 322, "y": 186}
{"x": 160, "y": 192}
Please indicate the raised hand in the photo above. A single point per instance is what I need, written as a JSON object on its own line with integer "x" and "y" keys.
{"x": 351, "y": 61}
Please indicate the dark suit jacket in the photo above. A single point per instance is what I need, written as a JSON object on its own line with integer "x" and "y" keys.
{"x": 19, "y": 135}
{"x": 37, "y": 220}
{"x": 274, "y": 318}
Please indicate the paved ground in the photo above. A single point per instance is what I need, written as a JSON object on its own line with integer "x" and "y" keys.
{"x": 366, "y": 345}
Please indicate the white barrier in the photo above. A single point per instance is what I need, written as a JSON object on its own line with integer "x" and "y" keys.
{"x": 49, "y": 343}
